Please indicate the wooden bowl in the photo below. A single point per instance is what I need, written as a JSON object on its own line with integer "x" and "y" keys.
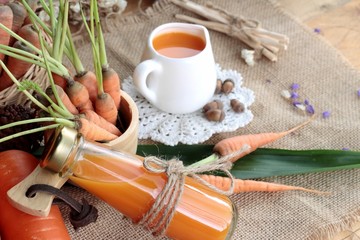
{"x": 129, "y": 115}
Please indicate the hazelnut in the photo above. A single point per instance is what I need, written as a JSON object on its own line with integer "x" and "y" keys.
{"x": 216, "y": 104}
{"x": 218, "y": 86}
{"x": 237, "y": 106}
{"x": 216, "y": 115}
{"x": 227, "y": 86}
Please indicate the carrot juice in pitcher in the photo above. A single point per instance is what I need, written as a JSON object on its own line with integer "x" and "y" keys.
{"x": 121, "y": 180}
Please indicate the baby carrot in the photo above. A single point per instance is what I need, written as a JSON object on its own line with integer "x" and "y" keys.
{"x": 30, "y": 34}
{"x": 17, "y": 66}
{"x": 19, "y": 15}
{"x": 6, "y": 18}
{"x": 254, "y": 141}
{"x": 240, "y": 185}
{"x": 88, "y": 79}
{"x": 63, "y": 97}
{"x": 93, "y": 132}
{"x": 111, "y": 84}
{"x": 105, "y": 107}
{"x": 78, "y": 95}
{"x": 59, "y": 80}
{"x": 100, "y": 121}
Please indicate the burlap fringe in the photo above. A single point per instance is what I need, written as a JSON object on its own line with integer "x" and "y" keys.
{"x": 332, "y": 230}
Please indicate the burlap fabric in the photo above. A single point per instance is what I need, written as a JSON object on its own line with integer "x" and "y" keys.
{"x": 325, "y": 79}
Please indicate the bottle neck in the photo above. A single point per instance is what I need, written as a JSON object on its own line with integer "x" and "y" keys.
{"x": 61, "y": 149}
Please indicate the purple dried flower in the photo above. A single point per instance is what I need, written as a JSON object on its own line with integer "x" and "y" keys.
{"x": 317, "y": 30}
{"x": 295, "y": 86}
{"x": 294, "y": 95}
{"x": 306, "y": 102}
{"x": 326, "y": 114}
{"x": 310, "y": 109}
{"x": 358, "y": 92}
{"x": 345, "y": 149}
{"x": 295, "y": 103}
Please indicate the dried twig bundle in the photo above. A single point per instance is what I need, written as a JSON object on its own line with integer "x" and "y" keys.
{"x": 264, "y": 42}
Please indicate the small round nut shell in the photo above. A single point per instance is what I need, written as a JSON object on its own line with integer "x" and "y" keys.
{"x": 237, "y": 106}
{"x": 215, "y": 115}
{"x": 227, "y": 86}
{"x": 209, "y": 105}
{"x": 216, "y": 104}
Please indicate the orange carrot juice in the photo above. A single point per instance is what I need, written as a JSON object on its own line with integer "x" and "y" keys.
{"x": 127, "y": 186}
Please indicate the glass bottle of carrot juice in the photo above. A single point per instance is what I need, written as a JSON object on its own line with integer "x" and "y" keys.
{"x": 121, "y": 180}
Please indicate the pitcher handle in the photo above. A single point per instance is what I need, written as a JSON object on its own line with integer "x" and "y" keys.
{"x": 140, "y": 76}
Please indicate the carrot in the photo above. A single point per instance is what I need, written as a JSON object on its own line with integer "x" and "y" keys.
{"x": 6, "y": 18}
{"x": 88, "y": 79}
{"x": 19, "y": 15}
{"x": 78, "y": 95}
{"x": 15, "y": 224}
{"x": 63, "y": 97}
{"x": 59, "y": 80}
{"x": 233, "y": 144}
{"x": 105, "y": 107}
{"x": 240, "y": 185}
{"x": 100, "y": 121}
{"x": 17, "y": 67}
{"x": 29, "y": 33}
{"x": 33, "y": 4}
{"x": 93, "y": 132}
{"x": 111, "y": 84}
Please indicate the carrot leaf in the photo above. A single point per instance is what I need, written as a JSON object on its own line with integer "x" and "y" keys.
{"x": 264, "y": 162}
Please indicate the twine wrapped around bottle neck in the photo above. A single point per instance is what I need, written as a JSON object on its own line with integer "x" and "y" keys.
{"x": 160, "y": 214}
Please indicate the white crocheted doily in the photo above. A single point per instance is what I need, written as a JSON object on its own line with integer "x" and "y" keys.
{"x": 192, "y": 128}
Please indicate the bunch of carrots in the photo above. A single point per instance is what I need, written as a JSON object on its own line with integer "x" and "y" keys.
{"x": 14, "y": 16}
{"x": 88, "y": 101}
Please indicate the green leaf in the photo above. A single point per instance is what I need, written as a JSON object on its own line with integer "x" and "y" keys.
{"x": 264, "y": 162}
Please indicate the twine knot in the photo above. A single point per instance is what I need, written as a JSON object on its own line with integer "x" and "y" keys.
{"x": 161, "y": 212}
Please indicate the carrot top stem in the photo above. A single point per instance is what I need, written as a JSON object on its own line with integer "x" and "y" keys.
{"x": 61, "y": 108}
{"x": 55, "y": 64}
{"x": 205, "y": 161}
{"x": 35, "y": 18}
{"x": 17, "y": 37}
{"x": 34, "y": 130}
{"x": 62, "y": 121}
{"x": 69, "y": 49}
{"x": 57, "y": 122}
{"x": 49, "y": 8}
{"x": 214, "y": 157}
{"x": 101, "y": 41}
{"x": 59, "y": 31}
{"x": 16, "y": 82}
{"x": 95, "y": 47}
{"x": 76, "y": 62}
{"x": 27, "y": 57}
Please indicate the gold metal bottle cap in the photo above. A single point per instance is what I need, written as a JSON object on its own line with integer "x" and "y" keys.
{"x": 58, "y": 149}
